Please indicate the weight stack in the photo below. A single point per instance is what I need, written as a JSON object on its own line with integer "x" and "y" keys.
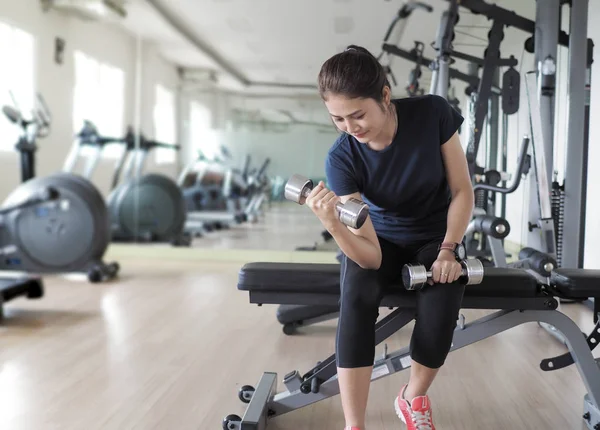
{"x": 558, "y": 214}
{"x": 480, "y": 199}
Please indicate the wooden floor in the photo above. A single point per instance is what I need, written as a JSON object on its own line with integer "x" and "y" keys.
{"x": 168, "y": 345}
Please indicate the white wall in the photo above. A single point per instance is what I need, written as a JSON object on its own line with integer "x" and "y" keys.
{"x": 107, "y": 43}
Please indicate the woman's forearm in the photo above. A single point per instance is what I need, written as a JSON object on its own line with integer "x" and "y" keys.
{"x": 460, "y": 213}
{"x": 357, "y": 248}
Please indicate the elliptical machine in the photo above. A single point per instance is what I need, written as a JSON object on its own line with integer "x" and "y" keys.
{"x": 29, "y": 286}
{"x": 68, "y": 234}
{"x": 147, "y": 208}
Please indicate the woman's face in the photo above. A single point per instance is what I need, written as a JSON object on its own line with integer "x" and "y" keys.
{"x": 362, "y": 118}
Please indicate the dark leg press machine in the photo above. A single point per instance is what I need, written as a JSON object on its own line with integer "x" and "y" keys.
{"x": 521, "y": 297}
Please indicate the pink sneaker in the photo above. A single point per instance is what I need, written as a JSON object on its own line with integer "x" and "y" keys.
{"x": 415, "y": 414}
{"x": 351, "y": 428}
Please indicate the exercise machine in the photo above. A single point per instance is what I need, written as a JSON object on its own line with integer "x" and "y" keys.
{"x": 142, "y": 207}
{"x": 31, "y": 287}
{"x": 567, "y": 210}
{"x": 214, "y": 185}
{"x": 218, "y": 193}
{"x": 557, "y": 228}
{"x": 68, "y": 234}
{"x": 516, "y": 297}
{"x": 395, "y": 32}
{"x": 147, "y": 207}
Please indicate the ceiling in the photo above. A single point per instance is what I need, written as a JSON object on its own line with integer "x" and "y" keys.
{"x": 274, "y": 48}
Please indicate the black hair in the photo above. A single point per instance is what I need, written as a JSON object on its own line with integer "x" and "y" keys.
{"x": 354, "y": 73}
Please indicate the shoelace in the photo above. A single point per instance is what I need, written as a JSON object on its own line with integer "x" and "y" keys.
{"x": 422, "y": 420}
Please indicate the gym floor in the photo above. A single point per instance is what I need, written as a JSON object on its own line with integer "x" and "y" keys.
{"x": 168, "y": 345}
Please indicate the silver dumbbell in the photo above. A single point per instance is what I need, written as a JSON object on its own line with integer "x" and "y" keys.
{"x": 414, "y": 277}
{"x": 353, "y": 213}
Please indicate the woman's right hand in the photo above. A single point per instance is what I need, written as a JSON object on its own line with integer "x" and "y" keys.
{"x": 322, "y": 202}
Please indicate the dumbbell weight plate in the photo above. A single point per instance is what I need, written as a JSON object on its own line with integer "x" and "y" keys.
{"x": 353, "y": 212}
{"x": 413, "y": 276}
{"x": 296, "y": 188}
{"x": 474, "y": 269}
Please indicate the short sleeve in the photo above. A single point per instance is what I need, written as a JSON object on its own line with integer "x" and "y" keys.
{"x": 340, "y": 174}
{"x": 449, "y": 118}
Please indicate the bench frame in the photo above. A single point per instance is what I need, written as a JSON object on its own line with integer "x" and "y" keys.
{"x": 320, "y": 382}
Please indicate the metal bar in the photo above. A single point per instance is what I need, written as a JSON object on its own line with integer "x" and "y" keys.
{"x": 443, "y": 82}
{"x": 504, "y": 167}
{"x": 485, "y": 84}
{"x": 474, "y": 332}
{"x": 546, "y": 49}
{"x": 92, "y": 162}
{"x": 508, "y": 17}
{"x": 502, "y": 62}
{"x": 383, "y": 329}
{"x": 140, "y": 161}
{"x": 493, "y": 127}
{"x": 573, "y": 231}
{"x": 539, "y": 144}
{"x": 453, "y": 73}
{"x": 497, "y": 250}
{"x": 256, "y": 415}
{"x": 71, "y": 159}
{"x": 433, "y": 85}
{"x": 124, "y": 167}
{"x": 546, "y": 221}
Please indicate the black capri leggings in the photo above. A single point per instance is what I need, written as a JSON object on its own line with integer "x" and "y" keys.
{"x": 361, "y": 293}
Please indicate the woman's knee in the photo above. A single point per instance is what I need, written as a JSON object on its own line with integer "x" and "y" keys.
{"x": 361, "y": 295}
{"x": 437, "y": 315}
{"x": 360, "y": 288}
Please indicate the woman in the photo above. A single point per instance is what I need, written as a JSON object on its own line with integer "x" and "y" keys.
{"x": 405, "y": 160}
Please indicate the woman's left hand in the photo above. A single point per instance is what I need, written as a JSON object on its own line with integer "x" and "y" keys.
{"x": 445, "y": 269}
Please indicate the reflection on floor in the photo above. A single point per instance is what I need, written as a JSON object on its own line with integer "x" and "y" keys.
{"x": 169, "y": 343}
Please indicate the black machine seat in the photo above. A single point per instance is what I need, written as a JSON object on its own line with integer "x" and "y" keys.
{"x": 309, "y": 283}
{"x": 290, "y": 277}
{"x": 577, "y": 283}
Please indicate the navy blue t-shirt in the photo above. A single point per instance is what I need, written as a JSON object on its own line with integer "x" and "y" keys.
{"x": 404, "y": 184}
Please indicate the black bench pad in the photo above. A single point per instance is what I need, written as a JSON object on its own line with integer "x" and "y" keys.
{"x": 325, "y": 279}
{"x": 577, "y": 283}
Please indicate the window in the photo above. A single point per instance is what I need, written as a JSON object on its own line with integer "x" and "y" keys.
{"x": 164, "y": 124}
{"x": 17, "y": 81}
{"x": 99, "y": 97}
{"x": 202, "y": 137}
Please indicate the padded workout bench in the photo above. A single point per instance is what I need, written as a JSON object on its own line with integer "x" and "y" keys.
{"x": 521, "y": 297}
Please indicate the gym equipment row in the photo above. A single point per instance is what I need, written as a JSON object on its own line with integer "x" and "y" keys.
{"x": 76, "y": 218}
{"x": 176, "y": 216}
{"x": 143, "y": 207}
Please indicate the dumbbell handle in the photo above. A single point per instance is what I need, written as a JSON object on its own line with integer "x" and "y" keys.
{"x": 463, "y": 272}
{"x": 415, "y": 277}
{"x": 352, "y": 213}
{"x": 306, "y": 192}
